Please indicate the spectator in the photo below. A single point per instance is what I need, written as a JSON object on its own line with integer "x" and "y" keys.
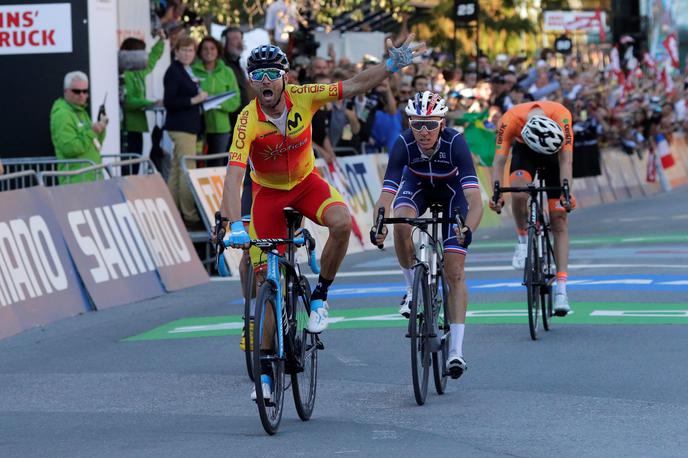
{"x": 365, "y": 106}
{"x": 386, "y": 126}
{"x": 183, "y": 97}
{"x": 320, "y": 126}
{"x": 420, "y": 83}
{"x": 2, "y": 169}
{"x": 73, "y": 134}
{"x": 234, "y": 46}
{"x": 216, "y": 78}
{"x": 317, "y": 69}
{"x": 344, "y": 125}
{"x": 281, "y": 20}
{"x": 135, "y": 101}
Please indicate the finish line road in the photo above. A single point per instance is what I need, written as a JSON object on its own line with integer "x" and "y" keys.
{"x": 165, "y": 377}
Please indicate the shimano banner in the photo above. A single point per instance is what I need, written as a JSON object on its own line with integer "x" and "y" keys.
{"x": 38, "y": 283}
{"x": 161, "y": 225}
{"x": 106, "y": 244}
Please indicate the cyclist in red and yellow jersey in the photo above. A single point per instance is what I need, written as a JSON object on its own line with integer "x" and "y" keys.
{"x": 273, "y": 135}
{"x": 539, "y": 135}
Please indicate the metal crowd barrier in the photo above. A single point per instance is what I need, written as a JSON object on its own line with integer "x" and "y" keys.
{"x": 20, "y": 180}
{"x": 127, "y": 168}
{"x": 38, "y": 164}
{"x": 94, "y": 169}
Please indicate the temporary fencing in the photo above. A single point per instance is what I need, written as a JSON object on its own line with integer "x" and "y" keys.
{"x": 91, "y": 245}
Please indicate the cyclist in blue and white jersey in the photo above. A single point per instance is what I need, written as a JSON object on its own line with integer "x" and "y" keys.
{"x": 431, "y": 163}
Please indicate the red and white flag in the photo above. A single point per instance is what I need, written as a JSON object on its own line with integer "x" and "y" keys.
{"x": 665, "y": 77}
{"x": 600, "y": 25}
{"x": 664, "y": 150}
{"x": 671, "y": 45}
{"x": 649, "y": 61}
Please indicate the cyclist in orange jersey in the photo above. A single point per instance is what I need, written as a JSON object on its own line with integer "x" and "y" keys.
{"x": 538, "y": 135}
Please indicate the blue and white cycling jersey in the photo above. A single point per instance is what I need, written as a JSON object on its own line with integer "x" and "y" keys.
{"x": 452, "y": 159}
{"x": 418, "y": 180}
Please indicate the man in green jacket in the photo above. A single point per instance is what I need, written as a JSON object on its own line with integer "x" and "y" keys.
{"x": 216, "y": 78}
{"x": 135, "y": 101}
{"x": 73, "y": 133}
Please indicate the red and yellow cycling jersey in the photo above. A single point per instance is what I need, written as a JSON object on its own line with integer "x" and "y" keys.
{"x": 515, "y": 118}
{"x": 278, "y": 161}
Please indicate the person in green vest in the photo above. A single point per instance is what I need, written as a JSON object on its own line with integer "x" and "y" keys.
{"x": 135, "y": 101}
{"x": 216, "y": 78}
{"x": 73, "y": 134}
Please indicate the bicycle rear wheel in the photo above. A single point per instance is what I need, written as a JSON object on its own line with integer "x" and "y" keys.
{"x": 418, "y": 323}
{"x": 305, "y": 381}
{"x": 439, "y": 358}
{"x": 546, "y": 301}
{"x": 265, "y": 319}
{"x": 248, "y": 335}
{"x": 532, "y": 279}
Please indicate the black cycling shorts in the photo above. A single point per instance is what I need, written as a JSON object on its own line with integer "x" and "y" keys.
{"x": 523, "y": 159}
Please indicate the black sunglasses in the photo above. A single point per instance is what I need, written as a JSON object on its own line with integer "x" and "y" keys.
{"x": 79, "y": 91}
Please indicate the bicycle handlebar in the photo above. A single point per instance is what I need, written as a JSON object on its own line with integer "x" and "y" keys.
{"x": 380, "y": 221}
{"x": 533, "y": 191}
{"x": 305, "y": 239}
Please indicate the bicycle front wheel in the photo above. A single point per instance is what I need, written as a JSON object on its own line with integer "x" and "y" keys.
{"x": 248, "y": 318}
{"x": 304, "y": 380}
{"x": 418, "y": 331}
{"x": 439, "y": 358}
{"x": 265, "y": 335}
{"x": 532, "y": 279}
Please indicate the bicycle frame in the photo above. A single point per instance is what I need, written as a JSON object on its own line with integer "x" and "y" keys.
{"x": 275, "y": 261}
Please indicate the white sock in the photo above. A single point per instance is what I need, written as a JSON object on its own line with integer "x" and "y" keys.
{"x": 456, "y": 330}
{"x": 408, "y": 277}
{"x": 523, "y": 239}
{"x": 561, "y": 286}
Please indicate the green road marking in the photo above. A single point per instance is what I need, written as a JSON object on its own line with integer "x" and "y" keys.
{"x": 612, "y": 240}
{"x": 388, "y": 317}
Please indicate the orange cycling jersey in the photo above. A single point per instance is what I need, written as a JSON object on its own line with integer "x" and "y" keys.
{"x": 279, "y": 161}
{"x": 515, "y": 118}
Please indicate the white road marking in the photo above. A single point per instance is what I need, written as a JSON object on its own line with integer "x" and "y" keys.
{"x": 642, "y": 313}
{"x": 207, "y": 327}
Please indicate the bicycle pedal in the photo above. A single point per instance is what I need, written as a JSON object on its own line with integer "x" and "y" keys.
{"x": 319, "y": 344}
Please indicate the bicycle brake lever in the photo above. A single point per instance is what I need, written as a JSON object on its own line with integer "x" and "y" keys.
{"x": 495, "y": 195}
{"x": 567, "y": 196}
{"x": 378, "y": 227}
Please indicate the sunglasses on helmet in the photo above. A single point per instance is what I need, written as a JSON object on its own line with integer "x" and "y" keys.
{"x": 273, "y": 74}
{"x": 428, "y": 124}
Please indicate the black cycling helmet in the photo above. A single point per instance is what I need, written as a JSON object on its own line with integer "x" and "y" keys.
{"x": 267, "y": 56}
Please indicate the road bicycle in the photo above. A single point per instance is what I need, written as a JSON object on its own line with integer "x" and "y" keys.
{"x": 540, "y": 269}
{"x": 282, "y": 343}
{"x": 428, "y": 327}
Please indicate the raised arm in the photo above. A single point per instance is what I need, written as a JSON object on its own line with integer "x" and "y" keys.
{"x": 368, "y": 79}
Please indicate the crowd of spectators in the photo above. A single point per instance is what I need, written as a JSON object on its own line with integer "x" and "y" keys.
{"x": 629, "y": 111}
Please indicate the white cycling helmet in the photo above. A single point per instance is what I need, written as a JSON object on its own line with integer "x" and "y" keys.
{"x": 426, "y": 104}
{"x": 543, "y": 135}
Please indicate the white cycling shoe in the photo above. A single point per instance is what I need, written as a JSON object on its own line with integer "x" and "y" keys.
{"x": 317, "y": 320}
{"x": 519, "y": 259}
{"x": 456, "y": 365}
{"x": 405, "y": 308}
{"x": 561, "y": 304}
{"x": 266, "y": 385}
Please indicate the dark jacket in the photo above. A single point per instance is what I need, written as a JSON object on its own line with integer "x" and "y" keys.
{"x": 179, "y": 89}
